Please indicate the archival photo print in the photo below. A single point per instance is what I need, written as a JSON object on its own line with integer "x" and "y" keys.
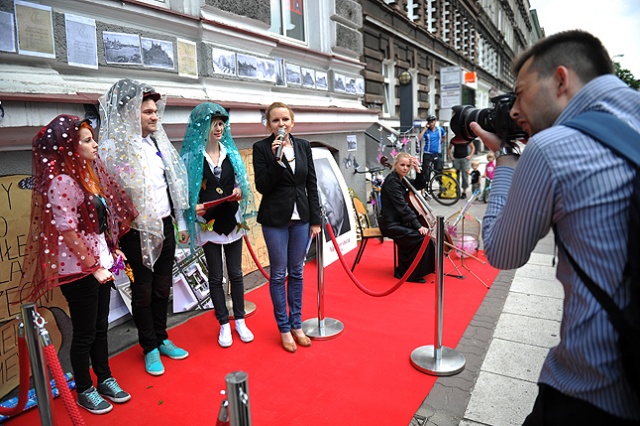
{"x": 224, "y": 61}
{"x": 338, "y": 83}
{"x": 308, "y": 78}
{"x": 334, "y": 197}
{"x": 322, "y": 82}
{"x": 266, "y": 70}
{"x": 247, "y": 66}
{"x": 293, "y": 74}
{"x": 157, "y": 53}
{"x": 120, "y": 48}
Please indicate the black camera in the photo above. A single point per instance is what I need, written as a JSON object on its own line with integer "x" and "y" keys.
{"x": 495, "y": 120}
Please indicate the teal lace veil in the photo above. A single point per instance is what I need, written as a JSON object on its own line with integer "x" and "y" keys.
{"x": 194, "y": 145}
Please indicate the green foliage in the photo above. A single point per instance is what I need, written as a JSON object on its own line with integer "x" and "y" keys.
{"x": 626, "y": 76}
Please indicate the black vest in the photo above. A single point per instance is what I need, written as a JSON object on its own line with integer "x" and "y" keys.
{"x": 212, "y": 189}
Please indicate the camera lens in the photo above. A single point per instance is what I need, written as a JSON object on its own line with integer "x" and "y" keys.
{"x": 463, "y": 115}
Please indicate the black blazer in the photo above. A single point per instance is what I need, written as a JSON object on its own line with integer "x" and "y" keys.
{"x": 281, "y": 188}
{"x": 395, "y": 209}
{"x": 212, "y": 189}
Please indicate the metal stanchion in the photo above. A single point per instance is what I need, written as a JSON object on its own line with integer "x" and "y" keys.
{"x": 31, "y": 319}
{"x": 238, "y": 395}
{"x": 321, "y": 328}
{"x": 436, "y": 359}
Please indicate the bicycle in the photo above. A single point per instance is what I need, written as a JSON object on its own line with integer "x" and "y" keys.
{"x": 375, "y": 197}
{"x": 442, "y": 187}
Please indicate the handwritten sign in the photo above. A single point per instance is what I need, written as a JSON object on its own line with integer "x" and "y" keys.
{"x": 15, "y": 211}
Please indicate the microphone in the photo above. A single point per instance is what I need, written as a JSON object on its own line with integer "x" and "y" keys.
{"x": 281, "y": 134}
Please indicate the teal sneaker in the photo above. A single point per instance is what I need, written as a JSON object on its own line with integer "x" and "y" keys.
{"x": 152, "y": 363}
{"x": 167, "y": 348}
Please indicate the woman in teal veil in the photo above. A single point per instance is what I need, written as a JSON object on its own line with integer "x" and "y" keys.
{"x": 216, "y": 171}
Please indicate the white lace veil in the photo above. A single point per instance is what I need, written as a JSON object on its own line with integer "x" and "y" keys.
{"x": 120, "y": 145}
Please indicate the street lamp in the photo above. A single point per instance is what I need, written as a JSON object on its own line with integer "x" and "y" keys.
{"x": 619, "y": 55}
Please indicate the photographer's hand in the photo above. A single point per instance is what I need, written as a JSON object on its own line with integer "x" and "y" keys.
{"x": 491, "y": 140}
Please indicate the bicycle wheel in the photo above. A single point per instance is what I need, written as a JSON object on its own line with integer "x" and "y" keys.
{"x": 444, "y": 189}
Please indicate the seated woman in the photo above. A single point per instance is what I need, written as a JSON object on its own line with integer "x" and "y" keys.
{"x": 399, "y": 221}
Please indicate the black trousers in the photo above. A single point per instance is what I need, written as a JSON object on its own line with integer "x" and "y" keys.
{"x": 88, "y": 302}
{"x": 409, "y": 241}
{"x": 555, "y": 408}
{"x": 233, "y": 257}
{"x": 151, "y": 289}
{"x": 431, "y": 159}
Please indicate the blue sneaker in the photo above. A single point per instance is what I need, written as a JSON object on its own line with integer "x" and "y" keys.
{"x": 152, "y": 363}
{"x": 167, "y": 348}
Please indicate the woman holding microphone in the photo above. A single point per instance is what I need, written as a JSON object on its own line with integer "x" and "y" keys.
{"x": 289, "y": 214}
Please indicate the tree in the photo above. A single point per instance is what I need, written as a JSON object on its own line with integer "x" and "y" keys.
{"x": 626, "y": 76}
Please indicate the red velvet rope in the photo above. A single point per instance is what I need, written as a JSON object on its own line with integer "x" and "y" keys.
{"x": 255, "y": 258}
{"x": 58, "y": 375}
{"x": 406, "y": 275}
{"x": 23, "y": 393}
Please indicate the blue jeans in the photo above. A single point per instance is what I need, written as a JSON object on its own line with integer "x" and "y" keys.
{"x": 287, "y": 249}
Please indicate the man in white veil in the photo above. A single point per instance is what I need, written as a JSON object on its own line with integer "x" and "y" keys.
{"x": 136, "y": 149}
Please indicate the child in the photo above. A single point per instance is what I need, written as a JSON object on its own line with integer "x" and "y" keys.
{"x": 488, "y": 176}
{"x": 475, "y": 177}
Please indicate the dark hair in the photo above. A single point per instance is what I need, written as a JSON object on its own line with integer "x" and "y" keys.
{"x": 577, "y": 50}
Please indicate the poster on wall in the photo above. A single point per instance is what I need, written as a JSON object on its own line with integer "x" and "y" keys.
{"x": 7, "y": 33}
{"x": 334, "y": 197}
{"x": 82, "y": 48}
{"x": 187, "y": 59}
{"x": 35, "y": 29}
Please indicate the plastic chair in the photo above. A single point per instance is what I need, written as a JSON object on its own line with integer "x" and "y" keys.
{"x": 365, "y": 229}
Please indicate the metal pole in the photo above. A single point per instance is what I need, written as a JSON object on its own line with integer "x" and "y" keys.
{"x": 31, "y": 321}
{"x": 238, "y": 395}
{"x": 436, "y": 359}
{"x": 321, "y": 327}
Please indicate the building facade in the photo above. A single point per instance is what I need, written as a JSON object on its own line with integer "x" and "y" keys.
{"x": 423, "y": 37}
{"x": 59, "y": 56}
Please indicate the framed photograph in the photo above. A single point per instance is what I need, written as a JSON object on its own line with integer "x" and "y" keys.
{"x": 339, "y": 84}
{"x": 191, "y": 284}
{"x": 247, "y": 66}
{"x": 266, "y": 69}
{"x": 281, "y": 78}
{"x": 352, "y": 143}
{"x": 334, "y": 197}
{"x": 7, "y": 33}
{"x": 360, "y": 86}
{"x": 224, "y": 61}
{"x": 308, "y": 78}
{"x": 157, "y": 53}
{"x": 322, "y": 82}
{"x": 120, "y": 48}
{"x": 294, "y": 76}
{"x": 350, "y": 85}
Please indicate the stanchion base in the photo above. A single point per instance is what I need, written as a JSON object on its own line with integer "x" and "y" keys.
{"x": 451, "y": 361}
{"x": 326, "y": 329}
{"x": 249, "y": 308}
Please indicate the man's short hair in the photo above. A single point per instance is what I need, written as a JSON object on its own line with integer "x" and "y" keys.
{"x": 577, "y": 50}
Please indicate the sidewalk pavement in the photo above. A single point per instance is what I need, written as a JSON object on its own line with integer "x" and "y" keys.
{"x": 504, "y": 345}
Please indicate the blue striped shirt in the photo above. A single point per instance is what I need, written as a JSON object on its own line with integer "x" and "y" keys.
{"x": 565, "y": 179}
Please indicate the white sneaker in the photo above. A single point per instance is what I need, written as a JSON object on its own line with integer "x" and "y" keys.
{"x": 245, "y": 334}
{"x": 225, "y": 339}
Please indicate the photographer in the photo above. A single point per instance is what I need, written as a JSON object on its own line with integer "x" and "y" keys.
{"x": 586, "y": 204}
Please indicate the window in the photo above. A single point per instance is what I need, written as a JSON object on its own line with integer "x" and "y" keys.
{"x": 291, "y": 12}
{"x": 388, "y": 72}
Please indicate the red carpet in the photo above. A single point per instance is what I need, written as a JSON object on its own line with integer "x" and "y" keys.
{"x": 363, "y": 376}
